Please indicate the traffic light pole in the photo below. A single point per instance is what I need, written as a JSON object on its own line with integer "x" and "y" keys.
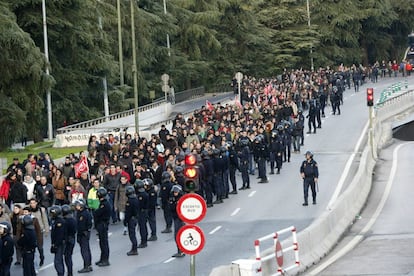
{"x": 371, "y": 132}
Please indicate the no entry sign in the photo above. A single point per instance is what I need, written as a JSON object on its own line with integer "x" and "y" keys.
{"x": 191, "y": 208}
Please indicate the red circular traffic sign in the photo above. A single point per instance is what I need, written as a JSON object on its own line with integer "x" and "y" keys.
{"x": 191, "y": 208}
{"x": 190, "y": 239}
{"x": 279, "y": 254}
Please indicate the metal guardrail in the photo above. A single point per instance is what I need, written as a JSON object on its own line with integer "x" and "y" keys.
{"x": 189, "y": 94}
{"x": 89, "y": 124}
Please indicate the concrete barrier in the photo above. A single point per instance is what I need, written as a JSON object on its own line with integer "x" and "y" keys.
{"x": 318, "y": 239}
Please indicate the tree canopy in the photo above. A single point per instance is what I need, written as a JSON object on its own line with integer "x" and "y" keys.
{"x": 210, "y": 41}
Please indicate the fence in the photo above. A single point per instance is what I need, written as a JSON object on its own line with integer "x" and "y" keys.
{"x": 89, "y": 124}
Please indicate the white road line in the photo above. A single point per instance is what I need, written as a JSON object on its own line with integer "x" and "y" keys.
{"x": 347, "y": 168}
{"x": 235, "y": 212}
{"x": 215, "y": 230}
{"x": 370, "y": 223}
{"x": 352, "y": 95}
{"x": 46, "y": 267}
{"x": 169, "y": 260}
{"x": 307, "y": 135}
{"x": 326, "y": 117}
{"x": 251, "y": 193}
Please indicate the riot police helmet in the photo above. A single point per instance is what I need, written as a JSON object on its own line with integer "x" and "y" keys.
{"x": 6, "y": 226}
{"x": 165, "y": 177}
{"x": 81, "y": 203}
{"x": 244, "y": 142}
{"x": 55, "y": 211}
{"x": 216, "y": 152}
{"x": 280, "y": 127}
{"x": 179, "y": 170}
{"x": 27, "y": 222}
{"x": 130, "y": 191}
{"x": 139, "y": 185}
{"x": 66, "y": 210}
{"x": 101, "y": 192}
{"x": 205, "y": 155}
{"x": 176, "y": 189}
{"x": 148, "y": 183}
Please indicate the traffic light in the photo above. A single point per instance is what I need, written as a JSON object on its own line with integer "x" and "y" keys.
{"x": 191, "y": 173}
{"x": 370, "y": 96}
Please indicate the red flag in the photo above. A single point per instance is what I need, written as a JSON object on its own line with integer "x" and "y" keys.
{"x": 81, "y": 167}
{"x": 209, "y": 105}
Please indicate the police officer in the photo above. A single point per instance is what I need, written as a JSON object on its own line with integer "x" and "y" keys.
{"x": 101, "y": 218}
{"x": 152, "y": 204}
{"x": 301, "y": 120}
{"x": 225, "y": 170}
{"x": 233, "y": 166}
{"x": 71, "y": 227}
{"x": 218, "y": 165}
{"x": 261, "y": 153}
{"x": 58, "y": 236}
{"x": 28, "y": 244}
{"x": 276, "y": 150}
{"x": 287, "y": 137}
{"x": 309, "y": 173}
{"x": 176, "y": 194}
{"x": 165, "y": 190}
{"x": 7, "y": 249}
{"x": 318, "y": 113}
{"x": 208, "y": 177}
{"x": 131, "y": 218}
{"x": 244, "y": 153}
{"x": 312, "y": 117}
{"x": 143, "y": 199}
{"x": 84, "y": 225}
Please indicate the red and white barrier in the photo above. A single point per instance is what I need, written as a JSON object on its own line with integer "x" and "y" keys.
{"x": 278, "y": 254}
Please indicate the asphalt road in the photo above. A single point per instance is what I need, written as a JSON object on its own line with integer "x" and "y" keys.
{"x": 381, "y": 241}
{"x": 231, "y": 227}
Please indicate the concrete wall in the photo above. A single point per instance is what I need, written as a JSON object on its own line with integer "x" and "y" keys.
{"x": 320, "y": 237}
{"x": 80, "y": 137}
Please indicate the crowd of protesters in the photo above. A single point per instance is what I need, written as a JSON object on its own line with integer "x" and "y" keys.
{"x": 255, "y": 131}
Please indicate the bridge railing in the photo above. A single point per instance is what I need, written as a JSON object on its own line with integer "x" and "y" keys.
{"x": 90, "y": 123}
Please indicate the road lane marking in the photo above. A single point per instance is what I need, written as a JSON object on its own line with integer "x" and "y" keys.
{"x": 235, "y": 212}
{"x": 345, "y": 172}
{"x": 251, "y": 193}
{"x": 169, "y": 260}
{"x": 307, "y": 135}
{"x": 215, "y": 230}
{"x": 358, "y": 238}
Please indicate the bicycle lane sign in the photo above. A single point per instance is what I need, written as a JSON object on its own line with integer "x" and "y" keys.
{"x": 190, "y": 239}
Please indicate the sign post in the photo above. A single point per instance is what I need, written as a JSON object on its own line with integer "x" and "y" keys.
{"x": 239, "y": 78}
{"x": 191, "y": 208}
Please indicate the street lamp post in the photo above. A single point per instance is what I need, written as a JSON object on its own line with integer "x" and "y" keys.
{"x": 48, "y": 92}
{"x": 104, "y": 81}
{"x": 134, "y": 68}
{"x": 120, "y": 55}
{"x": 168, "y": 36}
{"x": 309, "y": 25}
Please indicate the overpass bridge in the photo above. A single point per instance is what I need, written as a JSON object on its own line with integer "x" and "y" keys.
{"x": 151, "y": 117}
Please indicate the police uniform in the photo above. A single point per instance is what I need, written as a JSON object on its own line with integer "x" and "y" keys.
{"x": 276, "y": 150}
{"x": 233, "y": 166}
{"x": 261, "y": 153}
{"x": 152, "y": 204}
{"x": 310, "y": 174}
{"x": 7, "y": 251}
{"x": 28, "y": 244}
{"x": 208, "y": 179}
{"x": 143, "y": 199}
{"x": 70, "y": 223}
{"x": 164, "y": 195}
{"x": 84, "y": 225}
{"x": 131, "y": 218}
{"x": 244, "y": 164}
{"x": 218, "y": 165}
{"x": 178, "y": 223}
{"x": 58, "y": 235}
{"x": 101, "y": 219}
